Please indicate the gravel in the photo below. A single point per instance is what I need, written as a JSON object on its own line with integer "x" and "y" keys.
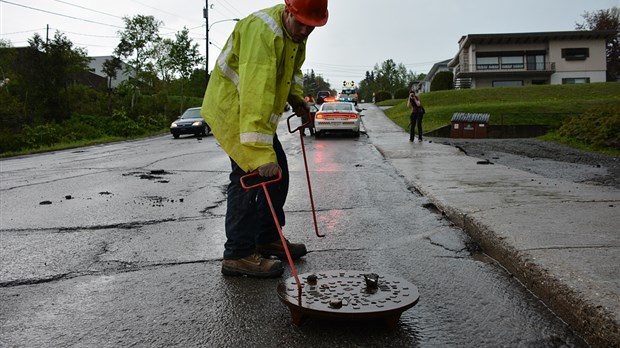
{"x": 545, "y": 158}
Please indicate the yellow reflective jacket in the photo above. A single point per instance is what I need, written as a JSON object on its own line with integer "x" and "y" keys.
{"x": 257, "y": 72}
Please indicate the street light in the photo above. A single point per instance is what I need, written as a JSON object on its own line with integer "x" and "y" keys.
{"x": 208, "y": 27}
{"x": 223, "y": 20}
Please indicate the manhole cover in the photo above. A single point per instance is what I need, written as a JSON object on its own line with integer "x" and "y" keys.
{"x": 348, "y": 295}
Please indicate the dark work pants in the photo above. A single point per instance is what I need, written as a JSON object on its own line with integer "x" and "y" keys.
{"x": 415, "y": 118}
{"x": 248, "y": 218}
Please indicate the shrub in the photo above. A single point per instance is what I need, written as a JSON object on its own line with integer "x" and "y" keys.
{"x": 11, "y": 141}
{"x": 81, "y": 127}
{"x": 402, "y": 93}
{"x": 382, "y": 95}
{"x": 443, "y": 80}
{"x": 44, "y": 134}
{"x": 598, "y": 127}
{"x": 123, "y": 126}
{"x": 11, "y": 112}
{"x": 86, "y": 100}
{"x": 153, "y": 122}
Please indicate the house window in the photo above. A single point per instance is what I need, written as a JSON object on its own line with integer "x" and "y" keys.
{"x": 535, "y": 62}
{"x": 575, "y": 80}
{"x": 575, "y": 53}
{"x": 508, "y": 83}
{"x": 512, "y": 62}
{"x": 487, "y": 63}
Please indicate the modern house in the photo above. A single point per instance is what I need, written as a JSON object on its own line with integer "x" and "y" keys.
{"x": 96, "y": 67}
{"x": 522, "y": 59}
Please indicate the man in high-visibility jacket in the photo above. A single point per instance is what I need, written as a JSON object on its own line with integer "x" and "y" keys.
{"x": 256, "y": 74}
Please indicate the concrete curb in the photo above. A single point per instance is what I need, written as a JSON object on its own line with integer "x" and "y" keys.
{"x": 559, "y": 238}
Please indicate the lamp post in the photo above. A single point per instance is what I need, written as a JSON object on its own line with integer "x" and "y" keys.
{"x": 208, "y": 27}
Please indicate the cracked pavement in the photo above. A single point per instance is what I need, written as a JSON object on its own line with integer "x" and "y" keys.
{"x": 140, "y": 264}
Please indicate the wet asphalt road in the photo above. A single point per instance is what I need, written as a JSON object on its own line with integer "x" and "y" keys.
{"x": 120, "y": 245}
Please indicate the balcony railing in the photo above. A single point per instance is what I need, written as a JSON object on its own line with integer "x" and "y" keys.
{"x": 513, "y": 67}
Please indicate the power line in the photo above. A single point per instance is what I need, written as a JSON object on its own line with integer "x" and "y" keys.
{"x": 25, "y": 31}
{"x": 154, "y": 8}
{"x": 88, "y": 9}
{"x": 61, "y": 15}
{"x": 82, "y": 34}
{"x": 230, "y": 8}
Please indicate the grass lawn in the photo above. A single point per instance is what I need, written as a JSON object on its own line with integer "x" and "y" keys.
{"x": 549, "y": 105}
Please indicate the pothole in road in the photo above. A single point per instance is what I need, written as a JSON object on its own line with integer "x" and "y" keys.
{"x": 157, "y": 201}
{"x": 156, "y": 175}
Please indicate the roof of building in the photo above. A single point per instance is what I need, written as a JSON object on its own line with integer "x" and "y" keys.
{"x": 520, "y": 38}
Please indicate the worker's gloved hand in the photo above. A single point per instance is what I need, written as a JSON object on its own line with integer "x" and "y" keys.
{"x": 302, "y": 110}
{"x": 268, "y": 169}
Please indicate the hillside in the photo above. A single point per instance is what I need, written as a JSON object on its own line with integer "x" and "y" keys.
{"x": 546, "y": 105}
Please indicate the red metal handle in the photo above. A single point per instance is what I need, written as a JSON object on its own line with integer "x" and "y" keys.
{"x": 303, "y": 148}
{"x": 262, "y": 183}
{"x": 303, "y": 126}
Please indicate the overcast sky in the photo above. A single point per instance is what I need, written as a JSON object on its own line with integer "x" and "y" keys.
{"x": 358, "y": 35}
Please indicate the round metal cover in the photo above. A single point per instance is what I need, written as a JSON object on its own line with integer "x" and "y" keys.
{"x": 348, "y": 295}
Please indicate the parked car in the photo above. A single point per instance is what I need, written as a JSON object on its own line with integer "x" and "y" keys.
{"x": 337, "y": 117}
{"x": 190, "y": 122}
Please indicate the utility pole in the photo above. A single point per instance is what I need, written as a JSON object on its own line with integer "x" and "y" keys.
{"x": 206, "y": 15}
{"x": 207, "y": 28}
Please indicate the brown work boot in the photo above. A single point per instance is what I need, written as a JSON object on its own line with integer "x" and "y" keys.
{"x": 253, "y": 266}
{"x": 276, "y": 249}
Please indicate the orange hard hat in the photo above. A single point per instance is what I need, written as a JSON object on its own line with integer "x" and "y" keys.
{"x": 309, "y": 12}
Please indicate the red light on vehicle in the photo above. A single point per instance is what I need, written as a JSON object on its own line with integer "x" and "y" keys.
{"x": 324, "y": 116}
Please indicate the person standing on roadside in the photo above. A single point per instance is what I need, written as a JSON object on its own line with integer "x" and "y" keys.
{"x": 308, "y": 118}
{"x": 417, "y": 113}
{"x": 257, "y": 73}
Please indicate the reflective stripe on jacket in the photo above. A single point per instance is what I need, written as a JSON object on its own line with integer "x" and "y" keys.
{"x": 257, "y": 72}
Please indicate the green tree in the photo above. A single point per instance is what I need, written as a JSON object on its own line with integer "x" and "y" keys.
{"x": 606, "y": 20}
{"x": 110, "y": 69}
{"x": 314, "y": 83}
{"x": 10, "y": 105}
{"x": 137, "y": 43}
{"x": 196, "y": 83}
{"x": 140, "y": 36}
{"x": 184, "y": 57}
{"x": 60, "y": 64}
{"x": 368, "y": 86}
{"x": 7, "y": 59}
{"x": 391, "y": 77}
{"x": 162, "y": 60}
